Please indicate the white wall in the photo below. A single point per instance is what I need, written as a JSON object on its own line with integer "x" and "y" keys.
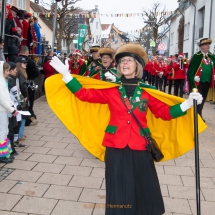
{"x": 44, "y": 28}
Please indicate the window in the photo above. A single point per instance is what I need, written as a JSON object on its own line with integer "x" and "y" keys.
{"x": 9, "y": 1}
{"x": 21, "y": 4}
{"x": 64, "y": 42}
{"x": 171, "y": 38}
{"x": 24, "y": 4}
{"x": 186, "y": 30}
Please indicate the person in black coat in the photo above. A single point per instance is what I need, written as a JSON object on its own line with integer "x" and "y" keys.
{"x": 32, "y": 72}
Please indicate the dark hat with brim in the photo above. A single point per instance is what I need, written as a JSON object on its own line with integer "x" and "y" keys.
{"x": 14, "y": 9}
{"x": 106, "y": 51}
{"x": 94, "y": 48}
{"x": 21, "y": 60}
{"x": 205, "y": 41}
{"x": 133, "y": 50}
{"x": 12, "y": 65}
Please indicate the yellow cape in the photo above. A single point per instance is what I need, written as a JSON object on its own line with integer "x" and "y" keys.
{"x": 88, "y": 121}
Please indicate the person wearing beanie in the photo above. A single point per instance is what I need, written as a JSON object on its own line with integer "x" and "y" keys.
{"x": 107, "y": 71}
{"x": 100, "y": 114}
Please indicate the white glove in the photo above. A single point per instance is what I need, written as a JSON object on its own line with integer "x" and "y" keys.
{"x": 110, "y": 76}
{"x": 197, "y": 79}
{"x": 63, "y": 69}
{"x": 187, "y": 104}
{"x": 160, "y": 74}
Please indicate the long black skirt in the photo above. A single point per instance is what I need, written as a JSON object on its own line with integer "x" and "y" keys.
{"x": 132, "y": 186}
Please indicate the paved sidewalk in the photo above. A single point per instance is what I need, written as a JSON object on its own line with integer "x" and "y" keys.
{"x": 55, "y": 175}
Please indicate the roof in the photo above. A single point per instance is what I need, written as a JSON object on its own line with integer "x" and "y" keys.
{"x": 37, "y": 8}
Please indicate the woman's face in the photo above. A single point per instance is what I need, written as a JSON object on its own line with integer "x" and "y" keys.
{"x": 6, "y": 73}
{"x": 13, "y": 72}
{"x": 23, "y": 65}
{"x": 128, "y": 66}
{"x": 106, "y": 60}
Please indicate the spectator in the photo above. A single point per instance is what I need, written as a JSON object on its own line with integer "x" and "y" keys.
{"x": 2, "y": 58}
{"x": 49, "y": 55}
{"x": 6, "y": 109}
{"x": 18, "y": 101}
{"x": 32, "y": 72}
{"x": 21, "y": 64}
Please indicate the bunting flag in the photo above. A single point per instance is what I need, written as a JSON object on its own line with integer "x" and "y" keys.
{"x": 94, "y": 15}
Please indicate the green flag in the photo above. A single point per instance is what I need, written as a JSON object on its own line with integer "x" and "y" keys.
{"x": 82, "y": 30}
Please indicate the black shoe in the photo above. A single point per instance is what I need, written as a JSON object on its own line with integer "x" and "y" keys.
{"x": 17, "y": 144}
{"x": 14, "y": 153}
{"x": 6, "y": 160}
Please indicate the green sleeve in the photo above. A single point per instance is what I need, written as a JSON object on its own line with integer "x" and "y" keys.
{"x": 175, "y": 111}
{"x": 74, "y": 85}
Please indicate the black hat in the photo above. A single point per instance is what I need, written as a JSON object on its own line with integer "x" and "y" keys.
{"x": 12, "y": 65}
{"x": 14, "y": 9}
{"x": 205, "y": 41}
{"x": 21, "y": 60}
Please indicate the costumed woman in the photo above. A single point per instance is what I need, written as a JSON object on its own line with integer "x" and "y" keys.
{"x": 107, "y": 71}
{"x": 132, "y": 185}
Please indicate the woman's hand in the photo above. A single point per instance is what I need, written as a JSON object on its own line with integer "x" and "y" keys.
{"x": 63, "y": 69}
{"x": 15, "y": 113}
{"x": 187, "y": 104}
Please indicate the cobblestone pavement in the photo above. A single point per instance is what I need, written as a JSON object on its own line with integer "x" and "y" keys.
{"x": 55, "y": 175}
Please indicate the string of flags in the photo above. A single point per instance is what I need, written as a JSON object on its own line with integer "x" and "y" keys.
{"x": 94, "y": 15}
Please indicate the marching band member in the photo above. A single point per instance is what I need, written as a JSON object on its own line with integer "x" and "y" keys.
{"x": 179, "y": 75}
{"x": 201, "y": 71}
{"x": 75, "y": 62}
{"x": 132, "y": 185}
{"x": 105, "y": 72}
{"x": 159, "y": 71}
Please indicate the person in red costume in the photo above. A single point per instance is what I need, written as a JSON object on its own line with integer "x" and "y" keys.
{"x": 32, "y": 38}
{"x": 159, "y": 71}
{"x": 25, "y": 24}
{"x": 179, "y": 75}
{"x": 152, "y": 71}
{"x": 75, "y": 62}
{"x": 130, "y": 173}
{"x": 169, "y": 74}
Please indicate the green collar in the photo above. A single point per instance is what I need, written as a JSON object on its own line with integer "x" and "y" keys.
{"x": 134, "y": 101}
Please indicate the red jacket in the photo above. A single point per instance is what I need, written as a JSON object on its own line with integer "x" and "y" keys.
{"x": 158, "y": 66}
{"x": 169, "y": 72}
{"x": 179, "y": 73}
{"x": 122, "y": 129}
{"x": 48, "y": 69}
{"x": 25, "y": 32}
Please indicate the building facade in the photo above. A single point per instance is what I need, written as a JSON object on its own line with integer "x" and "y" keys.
{"x": 199, "y": 19}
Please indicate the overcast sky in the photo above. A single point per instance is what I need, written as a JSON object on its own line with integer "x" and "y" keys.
{"x": 125, "y": 6}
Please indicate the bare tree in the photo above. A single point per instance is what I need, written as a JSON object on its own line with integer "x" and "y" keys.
{"x": 65, "y": 23}
{"x": 154, "y": 21}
